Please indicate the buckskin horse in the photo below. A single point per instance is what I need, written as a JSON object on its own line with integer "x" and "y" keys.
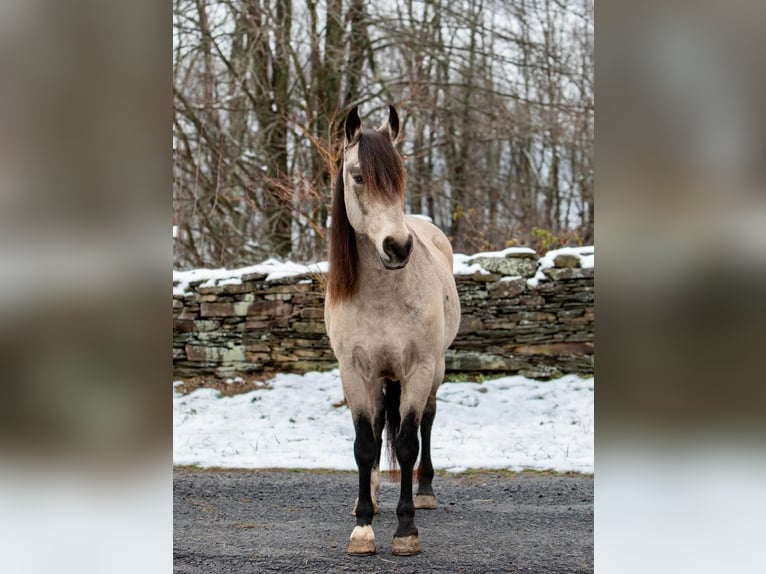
{"x": 391, "y": 311}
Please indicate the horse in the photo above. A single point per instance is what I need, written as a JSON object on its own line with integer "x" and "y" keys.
{"x": 391, "y": 312}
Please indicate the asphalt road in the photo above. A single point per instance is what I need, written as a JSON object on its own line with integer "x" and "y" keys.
{"x": 300, "y": 521}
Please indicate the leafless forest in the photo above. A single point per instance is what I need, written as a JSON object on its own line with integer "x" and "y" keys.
{"x": 496, "y": 99}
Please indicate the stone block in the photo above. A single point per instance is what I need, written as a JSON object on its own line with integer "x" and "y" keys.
{"x": 575, "y": 320}
{"x": 567, "y": 273}
{"x": 523, "y": 264}
{"x": 473, "y": 361}
{"x": 537, "y": 316}
{"x": 215, "y": 354}
{"x": 307, "y": 366}
{"x": 187, "y": 313}
{"x": 550, "y": 349}
{"x": 291, "y": 288}
{"x": 469, "y": 323}
{"x": 507, "y": 289}
{"x": 232, "y": 309}
{"x": 254, "y": 276}
{"x": 213, "y": 290}
{"x": 278, "y": 296}
{"x": 485, "y": 277}
{"x": 183, "y": 325}
{"x": 312, "y": 313}
{"x": 257, "y": 347}
{"x": 309, "y": 327}
{"x": 532, "y": 301}
{"x": 269, "y": 309}
{"x": 566, "y": 260}
{"x": 235, "y": 288}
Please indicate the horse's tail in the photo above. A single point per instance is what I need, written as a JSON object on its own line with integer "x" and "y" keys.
{"x": 393, "y": 394}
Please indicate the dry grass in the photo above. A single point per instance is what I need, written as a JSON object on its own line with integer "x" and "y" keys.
{"x": 247, "y": 384}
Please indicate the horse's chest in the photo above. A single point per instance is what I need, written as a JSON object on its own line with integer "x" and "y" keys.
{"x": 383, "y": 328}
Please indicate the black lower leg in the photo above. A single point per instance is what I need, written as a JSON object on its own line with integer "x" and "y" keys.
{"x": 365, "y": 452}
{"x": 407, "y": 454}
{"x": 426, "y": 469}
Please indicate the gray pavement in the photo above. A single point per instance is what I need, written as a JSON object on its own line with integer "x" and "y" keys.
{"x": 300, "y": 521}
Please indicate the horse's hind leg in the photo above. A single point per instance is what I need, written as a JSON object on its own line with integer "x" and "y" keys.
{"x": 425, "y": 498}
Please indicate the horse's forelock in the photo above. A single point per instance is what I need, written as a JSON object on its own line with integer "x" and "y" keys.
{"x": 382, "y": 166}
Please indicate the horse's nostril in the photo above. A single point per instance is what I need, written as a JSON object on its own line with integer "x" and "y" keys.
{"x": 397, "y": 251}
{"x": 389, "y": 247}
{"x": 408, "y": 245}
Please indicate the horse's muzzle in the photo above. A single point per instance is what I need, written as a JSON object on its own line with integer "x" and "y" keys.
{"x": 398, "y": 253}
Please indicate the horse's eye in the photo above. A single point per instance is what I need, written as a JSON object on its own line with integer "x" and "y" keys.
{"x": 358, "y": 179}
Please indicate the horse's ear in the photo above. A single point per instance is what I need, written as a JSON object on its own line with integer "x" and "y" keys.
{"x": 390, "y": 128}
{"x": 353, "y": 126}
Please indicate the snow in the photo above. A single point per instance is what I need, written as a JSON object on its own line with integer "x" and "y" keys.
{"x": 461, "y": 265}
{"x": 510, "y": 251}
{"x": 275, "y": 269}
{"x": 586, "y": 255}
{"x": 506, "y": 423}
{"x": 272, "y": 268}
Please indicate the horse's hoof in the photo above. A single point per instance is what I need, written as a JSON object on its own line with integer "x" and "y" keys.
{"x": 362, "y": 541}
{"x": 406, "y": 545}
{"x": 425, "y": 501}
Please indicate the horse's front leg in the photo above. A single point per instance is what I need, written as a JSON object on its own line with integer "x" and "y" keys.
{"x": 375, "y": 476}
{"x": 365, "y": 452}
{"x": 365, "y": 400}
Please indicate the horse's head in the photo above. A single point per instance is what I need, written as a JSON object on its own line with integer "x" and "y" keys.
{"x": 374, "y": 180}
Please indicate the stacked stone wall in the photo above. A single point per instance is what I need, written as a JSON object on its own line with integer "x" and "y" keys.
{"x": 509, "y": 324}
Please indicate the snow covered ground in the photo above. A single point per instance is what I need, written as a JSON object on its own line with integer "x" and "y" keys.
{"x": 510, "y": 422}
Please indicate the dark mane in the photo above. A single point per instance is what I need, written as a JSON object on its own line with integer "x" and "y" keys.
{"x": 383, "y": 171}
{"x": 344, "y": 258}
